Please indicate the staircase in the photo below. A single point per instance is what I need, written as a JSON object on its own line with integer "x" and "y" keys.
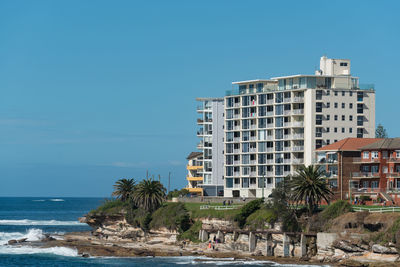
{"x": 386, "y": 196}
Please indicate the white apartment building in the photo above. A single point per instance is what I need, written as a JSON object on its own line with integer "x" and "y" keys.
{"x": 273, "y": 126}
{"x": 211, "y": 134}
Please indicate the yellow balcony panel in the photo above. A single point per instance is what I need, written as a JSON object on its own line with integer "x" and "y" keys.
{"x": 195, "y": 190}
{"x": 194, "y": 178}
{"x": 192, "y": 168}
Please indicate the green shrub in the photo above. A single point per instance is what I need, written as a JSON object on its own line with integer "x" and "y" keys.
{"x": 177, "y": 193}
{"x": 246, "y": 210}
{"x": 335, "y": 210}
{"x": 138, "y": 217}
{"x": 110, "y": 207}
{"x": 257, "y": 219}
{"x": 365, "y": 198}
{"x": 192, "y": 233}
{"x": 172, "y": 216}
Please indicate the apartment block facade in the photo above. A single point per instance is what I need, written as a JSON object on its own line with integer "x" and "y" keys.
{"x": 358, "y": 167}
{"x": 211, "y": 134}
{"x": 273, "y": 126}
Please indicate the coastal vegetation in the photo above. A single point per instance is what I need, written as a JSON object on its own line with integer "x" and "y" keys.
{"x": 123, "y": 189}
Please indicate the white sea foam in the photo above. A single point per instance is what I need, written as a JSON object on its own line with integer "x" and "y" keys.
{"x": 56, "y": 199}
{"x": 38, "y": 222}
{"x": 38, "y": 200}
{"x": 31, "y": 235}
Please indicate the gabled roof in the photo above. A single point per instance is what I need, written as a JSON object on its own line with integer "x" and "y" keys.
{"x": 349, "y": 144}
{"x": 193, "y": 155}
{"x": 387, "y": 143}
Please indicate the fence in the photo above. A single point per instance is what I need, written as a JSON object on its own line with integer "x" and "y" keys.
{"x": 206, "y": 207}
{"x": 381, "y": 210}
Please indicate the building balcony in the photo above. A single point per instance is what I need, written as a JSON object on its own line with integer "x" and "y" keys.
{"x": 393, "y": 175}
{"x": 297, "y": 161}
{"x": 195, "y": 190}
{"x": 287, "y": 100}
{"x": 298, "y": 148}
{"x": 192, "y": 179}
{"x": 368, "y": 175}
{"x": 298, "y": 111}
{"x": 194, "y": 167}
{"x": 298, "y": 99}
{"x": 298, "y": 124}
{"x": 394, "y": 160}
{"x": 366, "y": 161}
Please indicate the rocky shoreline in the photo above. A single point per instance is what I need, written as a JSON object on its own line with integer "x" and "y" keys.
{"x": 88, "y": 245}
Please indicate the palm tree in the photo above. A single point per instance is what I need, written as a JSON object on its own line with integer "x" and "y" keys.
{"x": 309, "y": 186}
{"x": 149, "y": 194}
{"x": 123, "y": 188}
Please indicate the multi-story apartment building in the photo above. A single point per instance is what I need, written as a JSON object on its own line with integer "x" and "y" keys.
{"x": 273, "y": 126}
{"x": 358, "y": 167}
{"x": 337, "y": 160}
{"x": 211, "y": 134}
{"x": 194, "y": 176}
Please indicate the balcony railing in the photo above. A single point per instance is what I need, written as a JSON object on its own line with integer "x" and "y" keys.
{"x": 365, "y": 174}
{"x": 298, "y": 111}
{"x": 395, "y": 160}
{"x": 298, "y": 99}
{"x": 297, "y": 161}
{"x": 298, "y": 124}
{"x": 298, "y": 136}
{"x": 361, "y": 160}
{"x": 393, "y": 174}
{"x": 298, "y": 148}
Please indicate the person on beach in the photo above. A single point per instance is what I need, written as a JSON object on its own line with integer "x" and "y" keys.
{"x": 209, "y": 244}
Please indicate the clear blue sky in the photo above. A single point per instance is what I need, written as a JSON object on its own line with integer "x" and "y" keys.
{"x": 94, "y": 91}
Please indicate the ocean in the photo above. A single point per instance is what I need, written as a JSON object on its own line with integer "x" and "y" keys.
{"x": 33, "y": 217}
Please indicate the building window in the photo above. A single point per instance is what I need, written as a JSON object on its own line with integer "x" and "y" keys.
{"x": 343, "y": 130}
{"x": 343, "y": 93}
{"x": 398, "y": 154}
{"x": 343, "y": 105}
{"x": 318, "y": 119}
{"x": 318, "y": 95}
{"x": 328, "y": 117}
{"x": 335, "y": 141}
{"x": 350, "y": 105}
{"x": 328, "y": 141}
{"x": 335, "y": 117}
{"x": 365, "y": 155}
{"x": 318, "y": 107}
{"x": 351, "y": 93}
{"x": 350, "y": 118}
{"x": 327, "y": 129}
{"x": 336, "y": 104}
{"x": 328, "y": 92}
{"x": 360, "y": 133}
{"x": 350, "y": 130}
{"x": 335, "y": 129}
{"x": 374, "y": 154}
{"x": 360, "y": 96}
{"x": 318, "y": 143}
{"x": 360, "y": 120}
{"x": 328, "y": 104}
{"x": 335, "y": 93}
{"x": 318, "y": 132}
{"x": 343, "y": 64}
{"x": 360, "y": 108}
{"x": 343, "y": 117}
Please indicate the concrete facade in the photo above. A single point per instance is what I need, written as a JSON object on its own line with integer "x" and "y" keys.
{"x": 273, "y": 126}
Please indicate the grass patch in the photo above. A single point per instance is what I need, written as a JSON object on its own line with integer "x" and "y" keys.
{"x": 195, "y": 211}
{"x": 246, "y": 210}
{"x": 192, "y": 233}
{"x": 172, "y": 216}
{"x": 258, "y": 219}
{"x": 110, "y": 207}
{"x": 335, "y": 210}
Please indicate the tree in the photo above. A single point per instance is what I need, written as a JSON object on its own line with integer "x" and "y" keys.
{"x": 149, "y": 195}
{"x": 309, "y": 187}
{"x": 380, "y": 132}
{"x": 123, "y": 188}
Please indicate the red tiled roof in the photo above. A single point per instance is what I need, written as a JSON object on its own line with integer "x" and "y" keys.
{"x": 349, "y": 144}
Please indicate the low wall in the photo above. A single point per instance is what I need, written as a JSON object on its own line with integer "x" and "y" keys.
{"x": 206, "y": 200}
